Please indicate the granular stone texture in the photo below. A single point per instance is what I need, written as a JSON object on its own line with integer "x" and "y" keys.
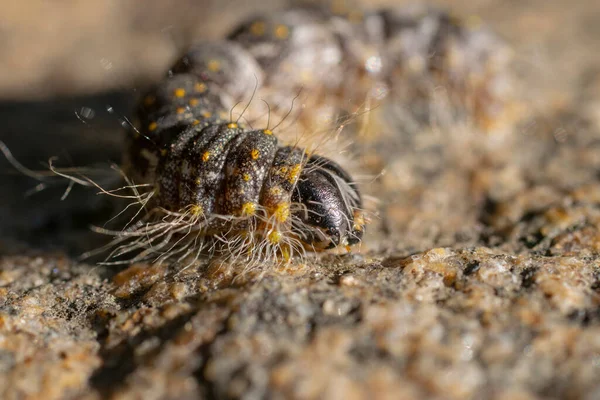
{"x": 470, "y": 323}
{"x": 479, "y": 277}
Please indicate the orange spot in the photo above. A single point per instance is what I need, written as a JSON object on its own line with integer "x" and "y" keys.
{"x": 197, "y": 210}
{"x": 355, "y": 16}
{"x": 200, "y": 87}
{"x": 359, "y": 221}
{"x": 195, "y": 122}
{"x": 232, "y": 125}
{"x": 248, "y": 209}
{"x": 282, "y": 212}
{"x": 179, "y": 92}
{"x": 473, "y": 22}
{"x": 275, "y": 237}
{"x": 180, "y": 110}
{"x": 338, "y": 7}
{"x": 258, "y": 28}
{"x": 207, "y": 114}
{"x": 285, "y": 251}
{"x": 206, "y": 156}
{"x": 213, "y": 65}
{"x": 152, "y": 126}
{"x": 294, "y": 173}
{"x": 275, "y": 191}
{"x": 255, "y": 154}
{"x": 194, "y": 102}
{"x": 268, "y": 132}
{"x": 246, "y": 177}
{"x": 282, "y": 32}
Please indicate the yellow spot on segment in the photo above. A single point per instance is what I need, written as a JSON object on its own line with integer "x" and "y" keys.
{"x": 206, "y": 114}
{"x": 246, "y": 177}
{"x": 268, "y": 132}
{"x": 294, "y": 173}
{"x": 200, "y": 87}
{"x": 339, "y": 7}
{"x": 474, "y": 22}
{"x": 282, "y": 212}
{"x": 179, "y": 92}
{"x": 355, "y": 16}
{"x": 195, "y": 122}
{"x": 194, "y": 102}
{"x": 285, "y": 251}
{"x": 149, "y": 100}
{"x": 198, "y": 181}
{"x": 213, "y": 65}
{"x": 275, "y": 191}
{"x": 258, "y": 28}
{"x": 359, "y": 221}
{"x": 197, "y": 210}
{"x": 282, "y": 32}
{"x": 206, "y": 156}
{"x": 180, "y": 110}
{"x": 255, "y": 154}
{"x": 248, "y": 208}
{"x": 232, "y": 125}
{"x": 152, "y": 126}
{"x": 163, "y": 152}
{"x": 274, "y": 237}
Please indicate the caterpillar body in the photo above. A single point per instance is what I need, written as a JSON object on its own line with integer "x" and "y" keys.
{"x": 219, "y": 185}
{"x": 224, "y": 185}
{"x": 403, "y": 54}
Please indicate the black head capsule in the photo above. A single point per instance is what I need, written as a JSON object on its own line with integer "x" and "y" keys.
{"x": 331, "y": 212}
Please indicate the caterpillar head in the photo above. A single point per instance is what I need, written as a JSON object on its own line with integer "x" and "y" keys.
{"x": 331, "y": 213}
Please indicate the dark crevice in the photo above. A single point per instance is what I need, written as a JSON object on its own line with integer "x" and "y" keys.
{"x": 120, "y": 361}
{"x": 472, "y": 267}
{"x": 528, "y": 277}
{"x": 585, "y": 316}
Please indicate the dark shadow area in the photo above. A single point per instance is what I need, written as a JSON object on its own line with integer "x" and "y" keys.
{"x": 82, "y": 132}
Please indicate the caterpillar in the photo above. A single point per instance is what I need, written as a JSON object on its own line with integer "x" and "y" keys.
{"x": 218, "y": 178}
{"x": 219, "y": 185}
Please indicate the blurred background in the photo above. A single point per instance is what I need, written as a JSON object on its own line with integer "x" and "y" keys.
{"x": 64, "y": 65}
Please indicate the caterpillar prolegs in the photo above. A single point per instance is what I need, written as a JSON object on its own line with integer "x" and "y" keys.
{"x": 220, "y": 185}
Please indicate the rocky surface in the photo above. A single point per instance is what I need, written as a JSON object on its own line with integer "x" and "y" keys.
{"x": 480, "y": 277}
